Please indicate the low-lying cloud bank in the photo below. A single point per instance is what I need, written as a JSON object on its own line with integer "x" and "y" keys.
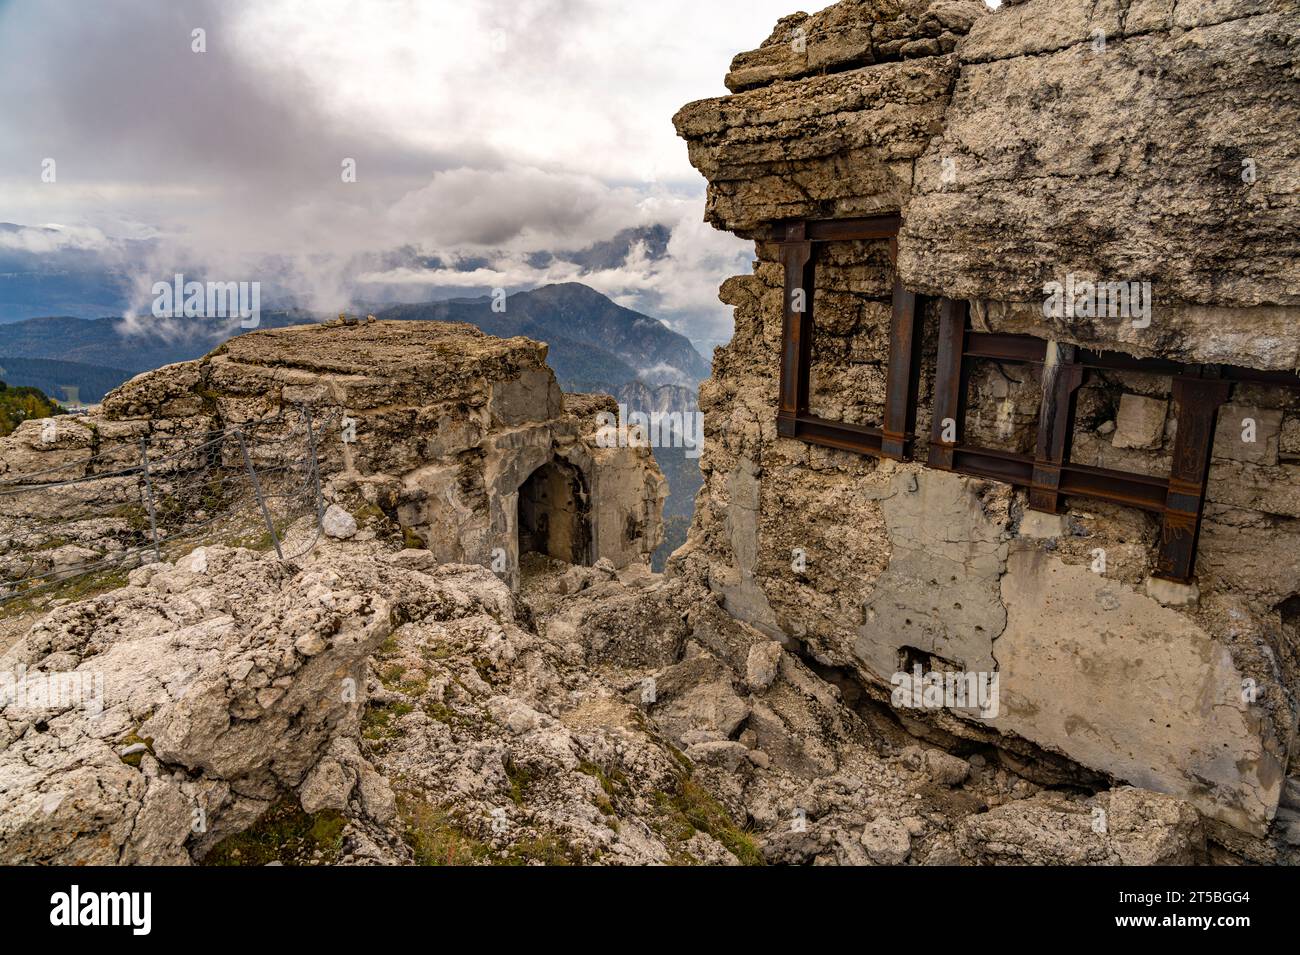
{"x": 448, "y": 148}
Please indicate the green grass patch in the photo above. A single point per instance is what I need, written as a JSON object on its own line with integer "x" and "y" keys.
{"x": 285, "y": 834}
{"x": 521, "y": 777}
{"x": 377, "y": 720}
{"x": 691, "y": 808}
{"x": 72, "y": 590}
{"x": 436, "y": 837}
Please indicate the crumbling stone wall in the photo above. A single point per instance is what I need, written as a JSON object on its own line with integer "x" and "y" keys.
{"x": 873, "y": 565}
{"x": 434, "y": 427}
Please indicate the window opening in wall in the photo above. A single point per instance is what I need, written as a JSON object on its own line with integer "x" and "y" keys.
{"x": 1047, "y": 473}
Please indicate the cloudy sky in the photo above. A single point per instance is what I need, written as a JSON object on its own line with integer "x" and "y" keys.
{"x": 481, "y": 129}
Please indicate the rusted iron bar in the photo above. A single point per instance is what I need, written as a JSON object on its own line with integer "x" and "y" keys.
{"x": 796, "y": 328}
{"x": 1062, "y": 377}
{"x": 1001, "y": 346}
{"x": 842, "y": 230}
{"x": 1198, "y": 401}
{"x": 903, "y": 378}
{"x": 1078, "y": 480}
{"x": 862, "y": 439}
{"x": 948, "y": 412}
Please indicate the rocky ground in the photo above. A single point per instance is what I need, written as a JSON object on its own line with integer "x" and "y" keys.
{"x": 365, "y": 706}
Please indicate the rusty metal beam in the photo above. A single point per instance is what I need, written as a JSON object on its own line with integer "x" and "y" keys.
{"x": 903, "y": 378}
{"x": 796, "y": 329}
{"x": 1077, "y": 480}
{"x": 842, "y": 230}
{"x": 1198, "y": 401}
{"x": 861, "y": 439}
{"x": 948, "y": 410}
{"x": 1001, "y": 346}
{"x": 1062, "y": 377}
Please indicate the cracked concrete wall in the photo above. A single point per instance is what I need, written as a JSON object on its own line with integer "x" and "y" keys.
{"x": 939, "y": 593}
{"x": 1097, "y": 670}
{"x": 873, "y": 565}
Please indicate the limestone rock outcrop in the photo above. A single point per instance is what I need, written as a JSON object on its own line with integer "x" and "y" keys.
{"x": 368, "y": 706}
{"x": 150, "y": 722}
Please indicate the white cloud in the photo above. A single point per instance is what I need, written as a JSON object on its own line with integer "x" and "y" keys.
{"x": 500, "y": 127}
{"x": 55, "y": 238}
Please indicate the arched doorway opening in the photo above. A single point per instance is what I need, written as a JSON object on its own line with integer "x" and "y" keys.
{"x": 555, "y": 513}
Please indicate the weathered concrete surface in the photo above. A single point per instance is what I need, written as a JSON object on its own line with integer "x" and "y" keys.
{"x": 939, "y": 593}
{"x": 1105, "y": 674}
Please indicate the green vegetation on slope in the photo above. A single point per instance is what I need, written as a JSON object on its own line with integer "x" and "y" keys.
{"x": 19, "y": 404}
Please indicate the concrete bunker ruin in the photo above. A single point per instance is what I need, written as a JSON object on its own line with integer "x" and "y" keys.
{"x": 1072, "y": 499}
{"x": 461, "y": 443}
{"x": 555, "y": 513}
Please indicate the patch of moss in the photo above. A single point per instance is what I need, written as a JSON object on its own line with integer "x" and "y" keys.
{"x": 376, "y": 721}
{"x": 414, "y": 687}
{"x": 690, "y": 808}
{"x": 135, "y": 515}
{"x": 52, "y": 543}
{"x": 444, "y": 651}
{"x": 445, "y": 714}
{"x": 130, "y": 739}
{"x": 285, "y": 834}
{"x": 706, "y": 814}
{"x": 521, "y": 777}
{"x": 546, "y": 849}
{"x": 77, "y": 588}
{"x": 436, "y": 837}
{"x": 610, "y": 787}
{"x": 366, "y": 511}
{"x": 486, "y": 671}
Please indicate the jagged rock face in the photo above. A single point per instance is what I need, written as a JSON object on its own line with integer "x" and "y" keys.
{"x": 825, "y": 147}
{"x": 425, "y": 714}
{"x": 1123, "y": 827}
{"x": 1131, "y": 140}
{"x": 876, "y": 566}
{"x": 830, "y": 113}
{"x": 852, "y": 34}
{"x": 226, "y": 674}
{"x": 436, "y": 425}
{"x": 1128, "y": 141}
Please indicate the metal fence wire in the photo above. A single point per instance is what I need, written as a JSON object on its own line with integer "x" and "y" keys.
{"x": 95, "y": 516}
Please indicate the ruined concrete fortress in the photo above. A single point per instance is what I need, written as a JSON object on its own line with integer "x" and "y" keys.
{"x": 997, "y": 557}
{"x": 954, "y": 429}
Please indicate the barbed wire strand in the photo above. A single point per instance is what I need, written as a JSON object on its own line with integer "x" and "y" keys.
{"x": 261, "y": 473}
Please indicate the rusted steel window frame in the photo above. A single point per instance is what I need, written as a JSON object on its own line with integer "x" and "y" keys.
{"x": 797, "y": 242}
{"x": 1048, "y": 474}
